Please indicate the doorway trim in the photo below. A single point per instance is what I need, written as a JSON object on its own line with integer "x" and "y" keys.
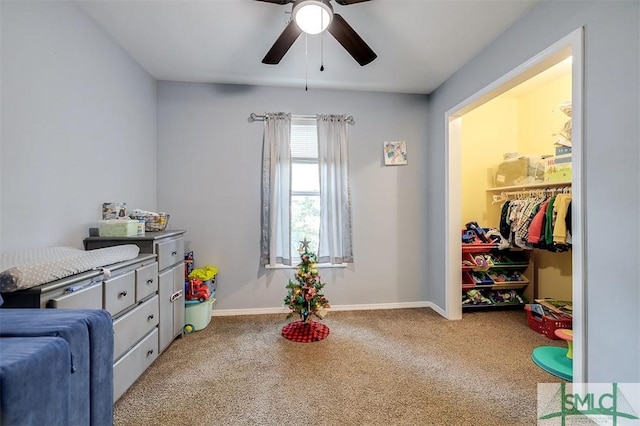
{"x": 571, "y": 45}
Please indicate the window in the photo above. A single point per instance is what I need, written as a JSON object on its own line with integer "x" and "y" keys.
{"x": 305, "y": 189}
{"x": 305, "y": 184}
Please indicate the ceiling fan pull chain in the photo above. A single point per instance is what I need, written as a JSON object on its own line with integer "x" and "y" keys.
{"x": 322, "y": 52}
{"x": 322, "y": 44}
{"x": 306, "y": 62}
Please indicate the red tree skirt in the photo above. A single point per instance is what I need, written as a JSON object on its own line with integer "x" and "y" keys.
{"x": 305, "y": 332}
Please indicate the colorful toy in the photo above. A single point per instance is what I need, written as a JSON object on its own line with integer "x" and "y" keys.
{"x": 554, "y": 359}
{"x": 475, "y": 297}
{"x": 205, "y": 273}
{"x": 508, "y": 296}
{"x": 480, "y": 233}
{"x": 198, "y": 290}
{"x": 468, "y": 237}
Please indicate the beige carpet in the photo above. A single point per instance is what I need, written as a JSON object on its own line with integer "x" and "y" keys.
{"x": 385, "y": 367}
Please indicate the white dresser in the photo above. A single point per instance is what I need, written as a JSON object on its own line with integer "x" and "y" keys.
{"x": 168, "y": 246}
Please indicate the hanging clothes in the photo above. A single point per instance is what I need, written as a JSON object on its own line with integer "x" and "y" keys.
{"x": 537, "y": 220}
{"x": 567, "y": 220}
{"x": 548, "y": 225}
{"x": 505, "y": 225}
{"x": 560, "y": 212}
{"x": 529, "y": 208}
{"x": 537, "y": 224}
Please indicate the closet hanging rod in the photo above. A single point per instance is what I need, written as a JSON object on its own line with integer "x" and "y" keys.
{"x": 260, "y": 117}
{"x": 563, "y": 189}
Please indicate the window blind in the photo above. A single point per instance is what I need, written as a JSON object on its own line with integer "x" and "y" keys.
{"x": 304, "y": 138}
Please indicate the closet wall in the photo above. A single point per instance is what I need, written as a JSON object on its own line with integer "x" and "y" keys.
{"x": 487, "y": 133}
{"x": 538, "y": 119}
{"x": 521, "y": 120}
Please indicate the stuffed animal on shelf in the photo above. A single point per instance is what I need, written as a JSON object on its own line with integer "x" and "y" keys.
{"x": 508, "y": 296}
{"x": 475, "y": 297}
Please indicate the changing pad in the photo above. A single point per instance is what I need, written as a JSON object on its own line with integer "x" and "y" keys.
{"x": 28, "y": 268}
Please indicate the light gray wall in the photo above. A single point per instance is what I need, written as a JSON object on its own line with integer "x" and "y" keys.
{"x": 611, "y": 135}
{"x": 78, "y": 126}
{"x": 209, "y": 174}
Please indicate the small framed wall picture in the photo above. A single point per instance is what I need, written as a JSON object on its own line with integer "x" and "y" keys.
{"x": 395, "y": 153}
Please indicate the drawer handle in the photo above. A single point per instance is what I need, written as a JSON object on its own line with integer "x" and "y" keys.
{"x": 122, "y": 293}
{"x": 173, "y": 253}
{"x": 175, "y": 296}
{"x": 150, "y": 317}
{"x": 150, "y": 281}
{"x": 150, "y": 352}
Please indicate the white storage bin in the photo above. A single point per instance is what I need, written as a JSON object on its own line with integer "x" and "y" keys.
{"x": 198, "y": 314}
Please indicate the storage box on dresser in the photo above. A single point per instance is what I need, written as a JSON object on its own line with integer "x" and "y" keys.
{"x": 169, "y": 248}
{"x": 128, "y": 291}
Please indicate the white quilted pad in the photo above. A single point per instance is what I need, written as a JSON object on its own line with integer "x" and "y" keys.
{"x": 28, "y": 268}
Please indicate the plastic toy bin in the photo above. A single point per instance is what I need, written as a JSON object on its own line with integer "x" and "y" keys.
{"x": 546, "y": 325}
{"x": 198, "y": 314}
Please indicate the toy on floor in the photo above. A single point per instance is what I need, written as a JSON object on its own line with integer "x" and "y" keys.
{"x": 556, "y": 360}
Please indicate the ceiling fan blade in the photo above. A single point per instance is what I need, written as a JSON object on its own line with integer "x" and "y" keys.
{"x": 351, "y": 41}
{"x": 288, "y": 36}
{"x": 348, "y": 2}
{"x": 282, "y": 1}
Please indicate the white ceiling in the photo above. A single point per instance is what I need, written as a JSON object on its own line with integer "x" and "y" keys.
{"x": 419, "y": 43}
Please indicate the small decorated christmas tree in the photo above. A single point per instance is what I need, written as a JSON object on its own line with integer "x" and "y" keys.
{"x": 304, "y": 296}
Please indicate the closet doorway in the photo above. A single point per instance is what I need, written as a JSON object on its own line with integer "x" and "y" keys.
{"x": 567, "y": 55}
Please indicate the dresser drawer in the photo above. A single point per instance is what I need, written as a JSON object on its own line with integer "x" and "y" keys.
{"x": 86, "y": 298}
{"x": 128, "y": 368}
{"x": 119, "y": 292}
{"x": 170, "y": 252}
{"x": 132, "y": 326}
{"x": 146, "y": 281}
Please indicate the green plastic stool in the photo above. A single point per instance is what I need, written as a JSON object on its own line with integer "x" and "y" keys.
{"x": 553, "y": 359}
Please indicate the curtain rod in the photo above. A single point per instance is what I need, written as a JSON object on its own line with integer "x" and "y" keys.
{"x": 260, "y": 117}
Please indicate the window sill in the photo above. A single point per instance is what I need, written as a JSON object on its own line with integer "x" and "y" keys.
{"x": 319, "y": 266}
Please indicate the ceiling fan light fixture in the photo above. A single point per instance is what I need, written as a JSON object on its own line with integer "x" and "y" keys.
{"x": 312, "y": 16}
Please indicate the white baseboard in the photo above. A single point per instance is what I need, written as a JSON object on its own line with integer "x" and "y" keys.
{"x": 438, "y": 310}
{"x": 374, "y": 306}
{"x": 253, "y": 311}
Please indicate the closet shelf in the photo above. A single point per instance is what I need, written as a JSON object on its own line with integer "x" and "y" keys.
{"x": 529, "y": 186}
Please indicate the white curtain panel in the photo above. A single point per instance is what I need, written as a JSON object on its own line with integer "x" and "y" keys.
{"x": 276, "y": 190}
{"x": 335, "y": 197}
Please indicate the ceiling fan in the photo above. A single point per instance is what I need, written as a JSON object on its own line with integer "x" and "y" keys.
{"x": 321, "y": 15}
